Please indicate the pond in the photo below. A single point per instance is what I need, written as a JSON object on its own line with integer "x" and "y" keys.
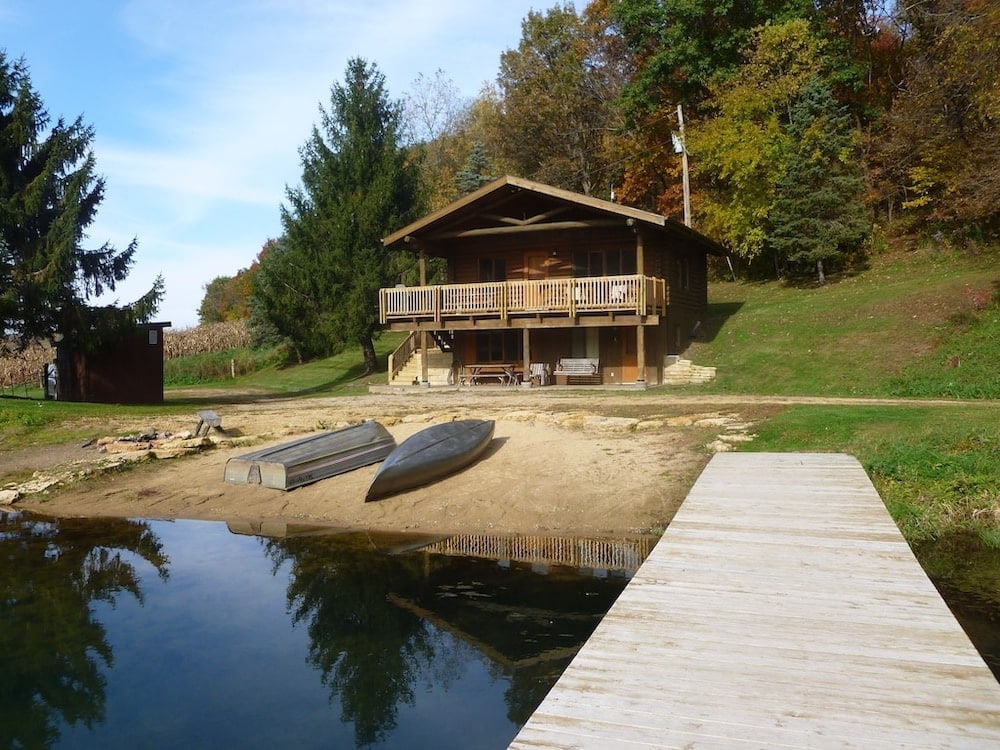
{"x": 157, "y": 634}
{"x": 966, "y": 572}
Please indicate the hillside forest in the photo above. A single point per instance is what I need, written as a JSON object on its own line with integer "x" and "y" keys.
{"x": 816, "y": 131}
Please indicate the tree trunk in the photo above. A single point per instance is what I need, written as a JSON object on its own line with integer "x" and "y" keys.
{"x": 371, "y": 361}
{"x": 819, "y": 272}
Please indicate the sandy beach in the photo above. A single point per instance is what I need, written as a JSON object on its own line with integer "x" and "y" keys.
{"x": 575, "y": 464}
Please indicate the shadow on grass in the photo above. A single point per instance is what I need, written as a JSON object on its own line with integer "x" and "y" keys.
{"x": 354, "y": 376}
{"x": 716, "y": 316}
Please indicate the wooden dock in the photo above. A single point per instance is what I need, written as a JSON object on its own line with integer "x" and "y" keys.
{"x": 781, "y": 609}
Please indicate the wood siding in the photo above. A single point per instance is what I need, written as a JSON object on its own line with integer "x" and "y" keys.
{"x": 521, "y": 255}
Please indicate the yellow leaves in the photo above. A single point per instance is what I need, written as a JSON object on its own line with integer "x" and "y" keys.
{"x": 923, "y": 182}
{"x": 782, "y": 59}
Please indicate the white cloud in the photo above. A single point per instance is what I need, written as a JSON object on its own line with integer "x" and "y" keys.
{"x": 199, "y": 124}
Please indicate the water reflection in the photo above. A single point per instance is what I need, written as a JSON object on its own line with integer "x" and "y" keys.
{"x": 967, "y": 574}
{"x": 53, "y": 650}
{"x": 302, "y": 639}
{"x": 529, "y": 626}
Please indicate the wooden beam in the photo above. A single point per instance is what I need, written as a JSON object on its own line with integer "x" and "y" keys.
{"x": 423, "y": 357}
{"x": 514, "y": 323}
{"x": 511, "y": 221}
{"x": 640, "y": 254}
{"x": 527, "y": 228}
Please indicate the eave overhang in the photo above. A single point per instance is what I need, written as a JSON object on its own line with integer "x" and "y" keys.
{"x": 512, "y": 205}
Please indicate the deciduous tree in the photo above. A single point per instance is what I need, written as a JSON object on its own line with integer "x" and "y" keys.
{"x": 555, "y": 102}
{"x": 741, "y": 153}
{"x": 437, "y": 122}
{"x": 942, "y": 146}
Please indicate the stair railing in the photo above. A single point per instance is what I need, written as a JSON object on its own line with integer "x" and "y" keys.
{"x": 402, "y": 354}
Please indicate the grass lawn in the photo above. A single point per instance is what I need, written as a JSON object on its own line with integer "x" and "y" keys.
{"x": 915, "y": 324}
{"x": 936, "y": 467}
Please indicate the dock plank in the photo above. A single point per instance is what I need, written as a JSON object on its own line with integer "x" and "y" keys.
{"x": 782, "y": 608}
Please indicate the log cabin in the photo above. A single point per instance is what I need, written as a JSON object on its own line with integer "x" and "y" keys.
{"x": 546, "y": 286}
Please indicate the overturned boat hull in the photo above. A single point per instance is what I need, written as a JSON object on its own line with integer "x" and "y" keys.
{"x": 430, "y": 455}
{"x": 313, "y": 458}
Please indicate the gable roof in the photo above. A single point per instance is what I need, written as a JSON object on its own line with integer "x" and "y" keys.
{"x": 512, "y": 205}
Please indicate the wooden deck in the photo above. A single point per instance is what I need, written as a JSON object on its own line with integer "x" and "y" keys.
{"x": 782, "y": 608}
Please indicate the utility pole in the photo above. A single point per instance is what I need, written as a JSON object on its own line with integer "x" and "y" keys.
{"x": 684, "y": 165}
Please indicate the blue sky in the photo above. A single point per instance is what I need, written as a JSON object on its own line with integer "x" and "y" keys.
{"x": 199, "y": 107}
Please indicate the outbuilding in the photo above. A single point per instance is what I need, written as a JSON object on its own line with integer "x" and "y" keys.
{"x": 129, "y": 373}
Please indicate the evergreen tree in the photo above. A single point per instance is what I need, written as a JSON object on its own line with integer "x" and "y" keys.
{"x": 319, "y": 286}
{"x": 49, "y": 195}
{"x": 475, "y": 173}
{"x": 818, "y": 215}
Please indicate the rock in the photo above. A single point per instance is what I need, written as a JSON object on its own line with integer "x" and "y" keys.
{"x": 127, "y": 447}
{"x": 719, "y": 446}
{"x": 649, "y": 424}
{"x": 9, "y": 497}
{"x": 610, "y": 424}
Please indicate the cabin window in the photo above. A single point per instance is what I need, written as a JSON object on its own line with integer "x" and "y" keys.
{"x": 684, "y": 273}
{"x": 604, "y": 263}
{"x": 492, "y": 269}
{"x": 501, "y": 346}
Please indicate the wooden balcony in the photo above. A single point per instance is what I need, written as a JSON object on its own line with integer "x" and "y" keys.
{"x": 512, "y": 303}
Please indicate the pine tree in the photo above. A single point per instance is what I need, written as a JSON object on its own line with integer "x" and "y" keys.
{"x": 818, "y": 215}
{"x": 319, "y": 286}
{"x": 475, "y": 172}
{"x": 49, "y": 195}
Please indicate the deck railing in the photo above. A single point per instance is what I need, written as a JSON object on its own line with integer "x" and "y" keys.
{"x": 640, "y": 295}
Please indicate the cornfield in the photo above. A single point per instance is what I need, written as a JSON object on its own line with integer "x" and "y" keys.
{"x": 214, "y": 337}
{"x": 26, "y": 367}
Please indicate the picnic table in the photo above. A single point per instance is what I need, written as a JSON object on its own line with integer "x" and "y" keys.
{"x": 503, "y": 373}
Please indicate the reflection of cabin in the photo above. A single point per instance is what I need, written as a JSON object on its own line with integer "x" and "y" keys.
{"x": 129, "y": 373}
{"x": 548, "y": 283}
{"x": 623, "y": 556}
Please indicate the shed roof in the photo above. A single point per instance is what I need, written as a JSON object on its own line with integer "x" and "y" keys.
{"x": 512, "y": 205}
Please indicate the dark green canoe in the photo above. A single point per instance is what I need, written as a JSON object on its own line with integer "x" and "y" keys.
{"x": 430, "y": 455}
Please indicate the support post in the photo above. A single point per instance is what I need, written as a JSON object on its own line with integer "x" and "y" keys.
{"x": 423, "y": 358}
{"x": 640, "y": 353}
{"x": 526, "y": 338}
{"x": 423, "y": 334}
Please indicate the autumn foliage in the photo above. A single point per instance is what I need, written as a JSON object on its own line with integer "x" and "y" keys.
{"x": 814, "y": 128}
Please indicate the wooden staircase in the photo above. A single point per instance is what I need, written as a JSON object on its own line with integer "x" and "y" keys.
{"x": 440, "y": 369}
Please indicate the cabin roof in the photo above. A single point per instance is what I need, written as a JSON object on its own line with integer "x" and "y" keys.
{"x": 512, "y": 205}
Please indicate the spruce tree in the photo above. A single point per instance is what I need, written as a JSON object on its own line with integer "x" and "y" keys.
{"x": 49, "y": 195}
{"x": 818, "y": 216}
{"x": 319, "y": 286}
{"x": 475, "y": 173}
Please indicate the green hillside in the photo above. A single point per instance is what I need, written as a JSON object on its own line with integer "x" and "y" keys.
{"x": 916, "y": 324}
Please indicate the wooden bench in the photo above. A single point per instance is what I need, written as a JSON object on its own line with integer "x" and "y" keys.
{"x": 578, "y": 371}
{"x": 208, "y": 419}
